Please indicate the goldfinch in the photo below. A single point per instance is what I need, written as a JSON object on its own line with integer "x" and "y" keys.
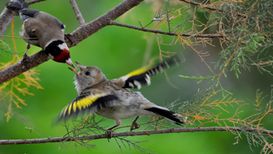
{"x": 43, "y": 30}
{"x": 115, "y": 99}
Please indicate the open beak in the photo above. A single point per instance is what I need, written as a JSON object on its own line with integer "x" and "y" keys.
{"x": 73, "y": 69}
{"x": 77, "y": 68}
{"x": 81, "y": 67}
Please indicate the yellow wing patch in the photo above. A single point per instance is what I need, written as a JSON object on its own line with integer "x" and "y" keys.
{"x": 141, "y": 76}
{"x": 81, "y": 103}
{"x": 92, "y": 103}
{"x": 138, "y": 71}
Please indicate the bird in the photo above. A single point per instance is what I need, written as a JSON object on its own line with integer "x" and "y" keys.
{"x": 117, "y": 99}
{"x": 43, "y": 30}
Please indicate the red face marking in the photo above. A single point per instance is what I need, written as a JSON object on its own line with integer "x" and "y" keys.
{"x": 62, "y": 57}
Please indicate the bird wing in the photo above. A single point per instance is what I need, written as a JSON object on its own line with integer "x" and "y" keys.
{"x": 40, "y": 15}
{"x": 83, "y": 103}
{"x": 141, "y": 76}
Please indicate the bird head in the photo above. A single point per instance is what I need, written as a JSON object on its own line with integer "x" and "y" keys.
{"x": 59, "y": 51}
{"x": 86, "y": 76}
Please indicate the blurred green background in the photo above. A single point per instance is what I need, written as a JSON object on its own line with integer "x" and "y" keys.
{"x": 117, "y": 51}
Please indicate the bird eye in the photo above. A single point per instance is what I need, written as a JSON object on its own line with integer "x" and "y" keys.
{"x": 87, "y": 73}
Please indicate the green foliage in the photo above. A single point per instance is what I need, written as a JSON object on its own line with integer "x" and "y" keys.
{"x": 217, "y": 99}
{"x": 4, "y": 47}
{"x": 247, "y": 27}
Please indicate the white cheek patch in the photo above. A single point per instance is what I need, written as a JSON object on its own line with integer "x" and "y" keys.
{"x": 63, "y": 46}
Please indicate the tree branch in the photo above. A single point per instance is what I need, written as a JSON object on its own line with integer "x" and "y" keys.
{"x": 166, "y": 33}
{"x": 77, "y": 12}
{"x": 72, "y": 39}
{"x": 138, "y": 133}
{"x": 83, "y": 32}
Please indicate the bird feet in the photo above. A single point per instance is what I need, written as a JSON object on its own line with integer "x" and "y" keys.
{"x": 134, "y": 124}
{"x": 109, "y": 133}
{"x": 25, "y": 56}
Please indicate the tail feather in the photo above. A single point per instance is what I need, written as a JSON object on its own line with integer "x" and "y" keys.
{"x": 167, "y": 114}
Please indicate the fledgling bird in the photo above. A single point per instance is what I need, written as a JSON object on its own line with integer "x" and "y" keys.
{"x": 43, "y": 30}
{"x": 115, "y": 98}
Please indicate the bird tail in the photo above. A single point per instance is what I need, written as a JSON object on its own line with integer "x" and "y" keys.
{"x": 177, "y": 118}
{"x": 21, "y": 7}
{"x": 16, "y": 5}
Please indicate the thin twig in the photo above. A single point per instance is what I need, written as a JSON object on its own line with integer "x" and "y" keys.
{"x": 209, "y": 8}
{"x": 72, "y": 39}
{"x": 88, "y": 29}
{"x": 138, "y": 133}
{"x": 77, "y": 12}
{"x": 202, "y": 5}
{"x": 167, "y": 33}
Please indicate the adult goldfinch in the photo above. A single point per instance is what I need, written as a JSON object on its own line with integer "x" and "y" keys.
{"x": 43, "y": 30}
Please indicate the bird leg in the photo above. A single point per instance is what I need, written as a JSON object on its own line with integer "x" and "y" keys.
{"x": 25, "y": 56}
{"x": 109, "y": 131}
{"x": 134, "y": 124}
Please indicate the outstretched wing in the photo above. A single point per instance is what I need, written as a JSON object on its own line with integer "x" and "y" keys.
{"x": 139, "y": 77}
{"x": 84, "y": 103}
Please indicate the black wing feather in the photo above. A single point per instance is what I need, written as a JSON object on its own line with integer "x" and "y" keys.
{"x": 98, "y": 104}
{"x": 144, "y": 77}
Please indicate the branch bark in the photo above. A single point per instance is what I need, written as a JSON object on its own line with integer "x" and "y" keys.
{"x": 77, "y": 12}
{"x": 166, "y": 33}
{"x": 138, "y": 133}
{"x": 72, "y": 39}
{"x": 90, "y": 28}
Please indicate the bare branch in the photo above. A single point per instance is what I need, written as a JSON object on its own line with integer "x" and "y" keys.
{"x": 83, "y": 32}
{"x": 72, "y": 39}
{"x": 77, "y": 12}
{"x": 166, "y": 33}
{"x": 139, "y": 133}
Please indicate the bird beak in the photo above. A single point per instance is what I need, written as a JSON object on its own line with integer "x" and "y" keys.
{"x": 69, "y": 62}
{"x": 73, "y": 69}
{"x": 81, "y": 67}
{"x": 76, "y": 68}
